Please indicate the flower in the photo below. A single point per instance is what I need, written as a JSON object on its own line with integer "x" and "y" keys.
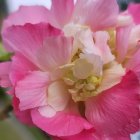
{"x": 75, "y": 69}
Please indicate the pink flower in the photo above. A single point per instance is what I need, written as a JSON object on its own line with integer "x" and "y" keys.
{"x": 75, "y": 70}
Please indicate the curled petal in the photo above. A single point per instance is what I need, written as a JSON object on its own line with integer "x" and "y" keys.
{"x": 44, "y": 45}
{"x": 115, "y": 112}
{"x": 64, "y": 123}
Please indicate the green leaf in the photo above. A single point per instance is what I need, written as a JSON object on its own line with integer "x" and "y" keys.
{"x": 4, "y": 56}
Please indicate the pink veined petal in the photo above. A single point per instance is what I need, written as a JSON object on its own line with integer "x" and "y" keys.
{"x": 134, "y": 10}
{"x": 20, "y": 67}
{"x": 23, "y": 116}
{"x": 122, "y": 42}
{"x": 5, "y": 68}
{"x": 64, "y": 123}
{"x": 84, "y": 135}
{"x": 115, "y": 112}
{"x": 40, "y": 43}
{"x": 27, "y": 14}
{"x": 32, "y": 90}
{"x": 61, "y": 12}
{"x": 98, "y": 14}
{"x": 134, "y": 63}
{"x": 101, "y": 39}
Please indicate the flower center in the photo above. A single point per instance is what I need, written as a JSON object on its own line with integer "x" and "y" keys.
{"x": 81, "y": 89}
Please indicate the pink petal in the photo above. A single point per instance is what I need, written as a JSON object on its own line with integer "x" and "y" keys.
{"x": 23, "y": 116}
{"x": 5, "y": 68}
{"x": 115, "y": 112}
{"x": 84, "y": 135}
{"x": 61, "y": 12}
{"x": 64, "y": 123}
{"x": 32, "y": 90}
{"x": 122, "y": 42}
{"x": 134, "y": 10}
{"x": 101, "y": 40}
{"x": 20, "y": 67}
{"x": 40, "y": 44}
{"x": 27, "y": 14}
{"x": 98, "y": 14}
{"x": 134, "y": 63}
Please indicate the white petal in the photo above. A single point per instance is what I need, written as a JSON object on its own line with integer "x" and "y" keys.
{"x": 111, "y": 76}
{"x": 82, "y": 69}
{"x": 47, "y": 111}
{"x": 58, "y": 95}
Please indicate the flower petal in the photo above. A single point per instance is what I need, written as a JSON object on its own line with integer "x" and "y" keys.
{"x": 101, "y": 40}
{"x": 84, "y": 135}
{"x": 111, "y": 77}
{"x": 115, "y": 112}
{"x": 20, "y": 67}
{"x": 122, "y": 42}
{"x": 47, "y": 111}
{"x": 61, "y": 12}
{"x": 134, "y": 10}
{"x": 58, "y": 96}
{"x": 64, "y": 123}
{"x": 23, "y": 116}
{"x": 5, "y": 68}
{"x": 29, "y": 14}
{"x": 40, "y": 44}
{"x": 32, "y": 90}
{"x": 98, "y": 14}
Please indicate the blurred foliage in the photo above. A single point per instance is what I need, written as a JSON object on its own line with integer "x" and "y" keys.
{"x": 4, "y": 56}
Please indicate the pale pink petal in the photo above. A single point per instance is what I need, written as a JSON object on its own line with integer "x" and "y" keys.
{"x": 115, "y": 112}
{"x": 134, "y": 10}
{"x": 40, "y": 44}
{"x": 23, "y": 116}
{"x": 134, "y": 38}
{"x": 5, "y": 68}
{"x": 20, "y": 67}
{"x": 27, "y": 14}
{"x": 122, "y": 41}
{"x": 98, "y": 14}
{"x": 32, "y": 90}
{"x": 134, "y": 63}
{"x": 64, "y": 123}
{"x": 61, "y": 12}
{"x": 101, "y": 40}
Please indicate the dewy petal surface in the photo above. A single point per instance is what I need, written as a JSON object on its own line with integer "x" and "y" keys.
{"x": 32, "y": 90}
{"x": 115, "y": 112}
{"x": 98, "y": 14}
